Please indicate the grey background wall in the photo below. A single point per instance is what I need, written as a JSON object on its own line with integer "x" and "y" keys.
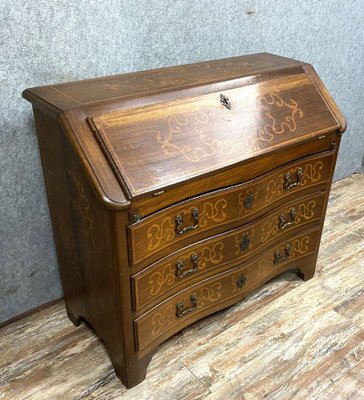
{"x": 45, "y": 41}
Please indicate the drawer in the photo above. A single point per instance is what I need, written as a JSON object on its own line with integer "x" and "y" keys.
{"x": 216, "y": 293}
{"x": 186, "y": 222}
{"x": 212, "y": 255}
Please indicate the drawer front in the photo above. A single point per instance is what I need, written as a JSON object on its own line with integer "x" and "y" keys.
{"x": 177, "y": 225}
{"x": 215, "y": 293}
{"x": 210, "y": 256}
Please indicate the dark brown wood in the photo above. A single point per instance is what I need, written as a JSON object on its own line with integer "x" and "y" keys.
{"x": 242, "y": 172}
{"x": 224, "y": 208}
{"x": 222, "y": 251}
{"x": 248, "y": 350}
{"x": 213, "y": 293}
{"x": 250, "y": 142}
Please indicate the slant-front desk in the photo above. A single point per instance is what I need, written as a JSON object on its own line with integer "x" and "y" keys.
{"x": 176, "y": 192}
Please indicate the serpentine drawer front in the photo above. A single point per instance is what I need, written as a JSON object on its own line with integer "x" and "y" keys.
{"x": 212, "y": 254}
{"x": 213, "y": 294}
{"x": 177, "y": 192}
{"x": 179, "y": 224}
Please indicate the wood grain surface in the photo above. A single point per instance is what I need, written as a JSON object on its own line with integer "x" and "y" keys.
{"x": 155, "y": 234}
{"x": 182, "y": 127}
{"x": 159, "y": 145}
{"x": 138, "y": 84}
{"x": 212, "y": 255}
{"x": 288, "y": 340}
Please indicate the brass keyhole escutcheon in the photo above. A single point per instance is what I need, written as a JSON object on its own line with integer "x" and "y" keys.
{"x": 241, "y": 281}
{"x": 248, "y": 201}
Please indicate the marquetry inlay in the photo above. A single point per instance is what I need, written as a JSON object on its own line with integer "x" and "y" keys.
{"x": 176, "y": 192}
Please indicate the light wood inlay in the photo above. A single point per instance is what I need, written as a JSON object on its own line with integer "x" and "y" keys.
{"x": 148, "y": 172}
{"x": 199, "y": 134}
{"x": 213, "y": 254}
{"x": 220, "y": 291}
{"x": 268, "y": 345}
{"x": 219, "y": 208}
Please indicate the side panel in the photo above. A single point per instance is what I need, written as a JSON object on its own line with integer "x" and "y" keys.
{"x": 83, "y": 235}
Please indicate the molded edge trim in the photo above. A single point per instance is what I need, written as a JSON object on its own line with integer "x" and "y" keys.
{"x": 321, "y": 88}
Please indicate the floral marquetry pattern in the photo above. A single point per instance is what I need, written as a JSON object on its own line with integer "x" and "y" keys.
{"x": 209, "y": 294}
{"x": 199, "y": 122}
{"x": 213, "y": 212}
{"x": 166, "y": 277}
{"x": 211, "y": 255}
{"x": 219, "y": 208}
{"x": 164, "y": 231}
{"x": 195, "y": 302}
{"x": 275, "y": 124}
{"x": 300, "y": 246}
{"x": 312, "y": 173}
{"x": 276, "y": 116}
{"x": 162, "y": 320}
{"x": 166, "y": 317}
{"x": 264, "y": 266}
{"x": 305, "y": 212}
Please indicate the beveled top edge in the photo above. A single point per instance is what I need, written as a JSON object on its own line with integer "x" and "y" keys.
{"x": 82, "y": 93}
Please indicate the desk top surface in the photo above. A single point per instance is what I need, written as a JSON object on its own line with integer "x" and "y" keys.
{"x": 163, "y": 127}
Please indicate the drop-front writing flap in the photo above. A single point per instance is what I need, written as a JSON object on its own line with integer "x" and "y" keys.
{"x": 158, "y": 145}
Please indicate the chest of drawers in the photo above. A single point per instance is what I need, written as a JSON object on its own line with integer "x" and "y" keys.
{"x": 176, "y": 192}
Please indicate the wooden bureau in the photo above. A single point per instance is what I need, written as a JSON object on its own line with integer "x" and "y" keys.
{"x": 176, "y": 192}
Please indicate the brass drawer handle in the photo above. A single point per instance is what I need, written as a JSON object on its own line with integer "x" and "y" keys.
{"x": 179, "y": 222}
{"x": 278, "y": 258}
{"x": 248, "y": 201}
{"x": 241, "y": 281}
{"x": 180, "y": 273}
{"x": 244, "y": 244}
{"x": 287, "y": 179}
{"x": 180, "y": 312}
{"x": 282, "y": 219}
